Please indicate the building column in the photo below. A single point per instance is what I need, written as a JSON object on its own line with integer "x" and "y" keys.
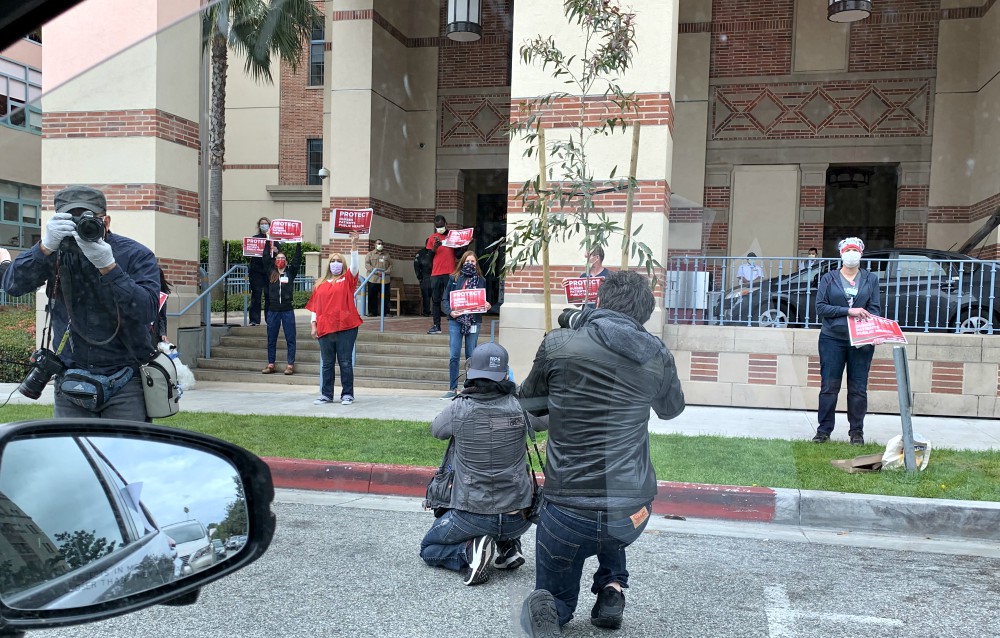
{"x": 715, "y": 217}
{"x": 449, "y": 195}
{"x": 652, "y": 77}
{"x": 812, "y": 207}
{"x": 129, "y": 126}
{"x": 911, "y": 205}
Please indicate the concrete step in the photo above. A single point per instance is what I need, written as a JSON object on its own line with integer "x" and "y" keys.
{"x": 312, "y": 355}
{"x": 364, "y": 335}
{"x": 436, "y": 348}
{"x": 313, "y": 379}
{"x": 369, "y": 372}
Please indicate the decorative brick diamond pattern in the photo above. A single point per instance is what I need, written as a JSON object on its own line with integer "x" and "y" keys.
{"x": 705, "y": 366}
{"x": 478, "y": 119}
{"x": 874, "y": 108}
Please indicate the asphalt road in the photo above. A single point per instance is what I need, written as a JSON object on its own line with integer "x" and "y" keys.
{"x": 345, "y": 565}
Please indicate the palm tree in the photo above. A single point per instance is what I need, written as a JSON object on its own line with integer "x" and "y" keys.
{"x": 258, "y": 30}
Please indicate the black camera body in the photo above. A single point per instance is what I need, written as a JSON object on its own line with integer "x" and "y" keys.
{"x": 89, "y": 226}
{"x": 44, "y": 365}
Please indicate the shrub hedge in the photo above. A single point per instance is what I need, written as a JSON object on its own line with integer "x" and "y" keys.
{"x": 17, "y": 341}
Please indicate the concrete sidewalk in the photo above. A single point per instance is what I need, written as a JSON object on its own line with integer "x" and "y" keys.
{"x": 419, "y": 405}
{"x": 852, "y": 512}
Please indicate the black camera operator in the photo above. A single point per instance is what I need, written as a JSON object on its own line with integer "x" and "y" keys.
{"x": 103, "y": 290}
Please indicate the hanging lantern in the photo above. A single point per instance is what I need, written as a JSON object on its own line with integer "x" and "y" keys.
{"x": 848, "y": 10}
{"x": 465, "y": 20}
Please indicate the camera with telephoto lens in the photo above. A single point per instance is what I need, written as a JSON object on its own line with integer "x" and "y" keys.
{"x": 89, "y": 226}
{"x": 569, "y": 318}
{"x": 44, "y": 365}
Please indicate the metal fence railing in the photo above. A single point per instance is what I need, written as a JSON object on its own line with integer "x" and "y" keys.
{"x": 922, "y": 292}
{"x": 27, "y": 299}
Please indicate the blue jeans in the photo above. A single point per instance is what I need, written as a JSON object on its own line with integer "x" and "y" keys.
{"x": 337, "y": 346}
{"x": 834, "y": 355}
{"x": 566, "y": 537}
{"x": 455, "y": 340}
{"x": 444, "y": 543}
{"x": 276, "y": 321}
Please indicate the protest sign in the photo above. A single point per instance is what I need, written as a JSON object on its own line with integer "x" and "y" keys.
{"x": 866, "y": 331}
{"x": 468, "y": 300}
{"x": 579, "y": 289}
{"x": 288, "y": 230}
{"x": 253, "y": 246}
{"x": 347, "y": 220}
{"x": 163, "y": 300}
{"x": 458, "y": 238}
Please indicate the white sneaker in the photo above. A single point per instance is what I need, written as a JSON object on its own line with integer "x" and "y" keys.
{"x": 321, "y": 401}
{"x": 346, "y": 400}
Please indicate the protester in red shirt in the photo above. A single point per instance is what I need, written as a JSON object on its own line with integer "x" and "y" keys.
{"x": 444, "y": 265}
{"x": 335, "y": 322}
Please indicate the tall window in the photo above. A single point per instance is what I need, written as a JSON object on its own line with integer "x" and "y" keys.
{"x": 316, "y": 46}
{"x": 19, "y": 223}
{"x": 314, "y": 153}
{"x": 20, "y": 87}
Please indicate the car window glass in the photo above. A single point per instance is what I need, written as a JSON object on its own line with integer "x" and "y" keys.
{"x": 58, "y": 516}
{"x": 919, "y": 266}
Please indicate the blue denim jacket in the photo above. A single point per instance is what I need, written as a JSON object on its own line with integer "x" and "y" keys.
{"x": 125, "y": 299}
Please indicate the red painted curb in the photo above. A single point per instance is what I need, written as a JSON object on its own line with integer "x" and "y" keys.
{"x": 727, "y": 502}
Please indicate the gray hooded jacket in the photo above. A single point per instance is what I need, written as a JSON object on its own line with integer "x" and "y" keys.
{"x": 490, "y": 463}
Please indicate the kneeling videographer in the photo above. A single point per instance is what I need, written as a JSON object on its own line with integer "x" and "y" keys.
{"x": 103, "y": 290}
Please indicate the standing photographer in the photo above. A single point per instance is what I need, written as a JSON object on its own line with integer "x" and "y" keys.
{"x": 103, "y": 290}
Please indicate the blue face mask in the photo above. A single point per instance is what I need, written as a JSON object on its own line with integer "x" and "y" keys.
{"x": 468, "y": 269}
{"x": 264, "y": 227}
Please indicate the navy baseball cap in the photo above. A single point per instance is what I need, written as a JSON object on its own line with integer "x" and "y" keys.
{"x": 75, "y": 197}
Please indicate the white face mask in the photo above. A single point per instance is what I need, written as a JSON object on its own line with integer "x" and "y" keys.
{"x": 336, "y": 268}
{"x": 442, "y": 229}
{"x": 264, "y": 227}
{"x": 378, "y": 246}
{"x": 851, "y": 258}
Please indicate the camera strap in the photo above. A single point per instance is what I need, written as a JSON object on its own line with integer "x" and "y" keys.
{"x": 67, "y": 295}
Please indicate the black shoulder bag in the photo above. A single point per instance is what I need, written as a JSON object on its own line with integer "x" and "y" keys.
{"x": 532, "y": 513}
{"x": 438, "y": 497}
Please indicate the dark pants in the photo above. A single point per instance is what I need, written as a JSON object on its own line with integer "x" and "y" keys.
{"x": 258, "y": 284}
{"x": 129, "y": 404}
{"x": 337, "y": 346}
{"x": 438, "y": 285}
{"x": 444, "y": 543}
{"x": 425, "y": 295}
{"x": 276, "y": 321}
{"x": 834, "y": 355}
{"x": 566, "y": 537}
{"x": 373, "y": 292}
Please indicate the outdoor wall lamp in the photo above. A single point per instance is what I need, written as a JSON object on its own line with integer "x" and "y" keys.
{"x": 465, "y": 18}
{"x": 848, "y": 10}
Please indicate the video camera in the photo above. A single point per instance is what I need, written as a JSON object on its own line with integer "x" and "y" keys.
{"x": 44, "y": 365}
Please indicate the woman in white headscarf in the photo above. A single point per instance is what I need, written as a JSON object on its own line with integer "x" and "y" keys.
{"x": 849, "y": 291}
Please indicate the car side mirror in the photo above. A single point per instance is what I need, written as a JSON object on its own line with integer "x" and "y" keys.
{"x": 100, "y": 518}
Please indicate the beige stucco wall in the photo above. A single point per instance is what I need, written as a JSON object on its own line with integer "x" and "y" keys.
{"x": 765, "y": 207}
{"x": 695, "y": 10}
{"x": 27, "y": 148}
{"x": 794, "y": 347}
{"x": 819, "y": 45}
{"x": 24, "y": 51}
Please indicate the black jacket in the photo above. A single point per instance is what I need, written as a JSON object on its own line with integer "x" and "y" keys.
{"x": 256, "y": 264}
{"x": 279, "y": 293}
{"x": 597, "y": 384}
{"x": 423, "y": 261}
{"x": 832, "y": 306}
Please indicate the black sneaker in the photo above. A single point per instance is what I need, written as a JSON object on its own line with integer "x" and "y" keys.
{"x": 821, "y": 438}
{"x": 539, "y": 618}
{"x": 609, "y": 608}
{"x": 480, "y": 553}
{"x": 434, "y": 330}
{"x": 857, "y": 439}
{"x": 509, "y": 555}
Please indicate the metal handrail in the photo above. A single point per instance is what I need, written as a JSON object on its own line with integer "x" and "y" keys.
{"x": 207, "y": 305}
{"x": 361, "y": 287}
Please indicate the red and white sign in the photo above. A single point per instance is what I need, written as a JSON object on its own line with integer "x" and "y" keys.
{"x": 253, "y": 246}
{"x": 285, "y": 230}
{"x": 866, "y": 331}
{"x": 458, "y": 238}
{"x": 468, "y": 300}
{"x": 163, "y": 300}
{"x": 347, "y": 220}
{"x": 581, "y": 289}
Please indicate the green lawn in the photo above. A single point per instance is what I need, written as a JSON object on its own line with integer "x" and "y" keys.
{"x": 692, "y": 459}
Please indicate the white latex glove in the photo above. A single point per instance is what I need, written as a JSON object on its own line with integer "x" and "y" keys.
{"x": 98, "y": 252}
{"x": 4, "y": 255}
{"x": 59, "y": 227}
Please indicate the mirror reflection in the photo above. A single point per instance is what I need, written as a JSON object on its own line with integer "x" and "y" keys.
{"x": 90, "y": 519}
